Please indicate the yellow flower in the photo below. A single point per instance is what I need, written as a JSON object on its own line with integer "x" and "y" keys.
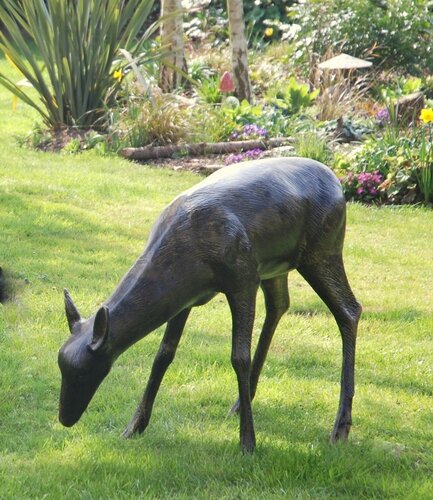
{"x": 118, "y": 75}
{"x": 426, "y": 115}
{"x": 269, "y": 32}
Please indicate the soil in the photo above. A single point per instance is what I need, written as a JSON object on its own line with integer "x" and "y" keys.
{"x": 59, "y": 139}
{"x": 203, "y": 165}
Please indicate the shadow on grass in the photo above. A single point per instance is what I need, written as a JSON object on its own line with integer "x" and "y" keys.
{"x": 44, "y": 248}
{"x": 24, "y": 221}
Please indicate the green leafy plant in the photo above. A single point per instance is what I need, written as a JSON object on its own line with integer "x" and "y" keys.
{"x": 424, "y": 156}
{"x": 73, "y": 147}
{"x": 214, "y": 123}
{"x": 200, "y": 70}
{"x": 242, "y": 113}
{"x": 292, "y": 97}
{"x": 400, "y": 87}
{"x": 425, "y": 174}
{"x": 276, "y": 122}
{"x": 208, "y": 90}
{"x": 77, "y": 43}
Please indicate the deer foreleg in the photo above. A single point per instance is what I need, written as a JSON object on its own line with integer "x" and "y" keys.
{"x": 162, "y": 361}
{"x": 242, "y": 305}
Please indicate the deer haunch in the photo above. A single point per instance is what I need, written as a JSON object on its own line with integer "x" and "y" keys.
{"x": 243, "y": 227}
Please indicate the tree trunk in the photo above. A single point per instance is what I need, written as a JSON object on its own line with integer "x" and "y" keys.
{"x": 172, "y": 42}
{"x": 235, "y": 10}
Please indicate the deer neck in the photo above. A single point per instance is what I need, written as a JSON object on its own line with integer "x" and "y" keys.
{"x": 148, "y": 296}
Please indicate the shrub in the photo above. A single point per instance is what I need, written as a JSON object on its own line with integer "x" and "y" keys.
{"x": 395, "y": 168}
{"x": 77, "y": 43}
{"x": 398, "y": 31}
{"x": 219, "y": 122}
{"x": 210, "y": 21}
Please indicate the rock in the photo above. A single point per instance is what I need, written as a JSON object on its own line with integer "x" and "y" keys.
{"x": 279, "y": 151}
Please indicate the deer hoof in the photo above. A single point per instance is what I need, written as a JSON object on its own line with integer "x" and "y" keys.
{"x": 136, "y": 426}
{"x": 340, "y": 433}
{"x": 248, "y": 446}
{"x": 128, "y": 432}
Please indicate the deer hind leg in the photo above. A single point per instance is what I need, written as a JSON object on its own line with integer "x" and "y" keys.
{"x": 276, "y": 294}
{"x": 328, "y": 278}
{"x": 164, "y": 357}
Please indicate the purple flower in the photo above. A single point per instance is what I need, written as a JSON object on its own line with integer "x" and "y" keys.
{"x": 254, "y": 130}
{"x": 250, "y": 131}
{"x": 382, "y": 116}
{"x": 251, "y": 154}
{"x": 362, "y": 186}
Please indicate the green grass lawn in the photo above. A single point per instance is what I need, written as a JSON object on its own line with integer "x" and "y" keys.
{"x": 79, "y": 222}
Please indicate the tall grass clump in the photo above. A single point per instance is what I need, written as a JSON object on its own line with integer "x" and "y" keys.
{"x": 76, "y": 44}
{"x": 310, "y": 144}
{"x": 161, "y": 120}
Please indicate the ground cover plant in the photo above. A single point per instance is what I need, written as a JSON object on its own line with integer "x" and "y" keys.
{"x": 79, "y": 221}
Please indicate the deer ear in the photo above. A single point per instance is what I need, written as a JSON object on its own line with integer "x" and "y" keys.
{"x": 72, "y": 314}
{"x": 101, "y": 328}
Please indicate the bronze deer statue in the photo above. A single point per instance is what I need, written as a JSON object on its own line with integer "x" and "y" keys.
{"x": 243, "y": 227}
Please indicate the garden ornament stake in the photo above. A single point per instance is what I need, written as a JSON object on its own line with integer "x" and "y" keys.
{"x": 244, "y": 227}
